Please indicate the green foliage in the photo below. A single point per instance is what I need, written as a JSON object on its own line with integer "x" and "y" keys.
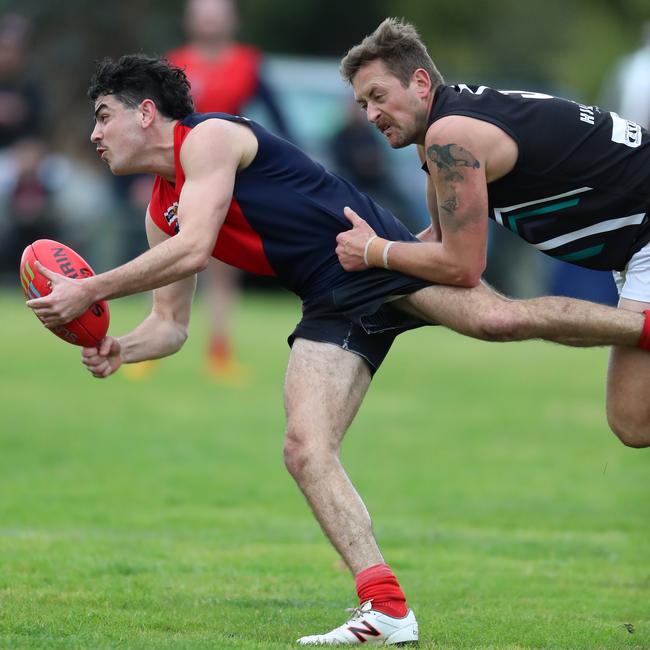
{"x": 158, "y": 513}
{"x": 557, "y": 45}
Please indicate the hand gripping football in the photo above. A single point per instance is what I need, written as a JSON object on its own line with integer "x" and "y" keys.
{"x": 86, "y": 330}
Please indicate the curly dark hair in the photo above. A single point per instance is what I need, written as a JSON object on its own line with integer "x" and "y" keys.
{"x": 135, "y": 77}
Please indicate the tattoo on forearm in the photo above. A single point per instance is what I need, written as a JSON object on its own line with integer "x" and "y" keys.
{"x": 450, "y": 205}
{"x": 448, "y": 159}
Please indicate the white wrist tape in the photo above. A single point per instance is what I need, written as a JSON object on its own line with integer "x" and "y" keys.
{"x": 365, "y": 250}
{"x": 385, "y": 254}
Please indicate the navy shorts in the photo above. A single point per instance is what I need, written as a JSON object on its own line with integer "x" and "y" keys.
{"x": 357, "y": 316}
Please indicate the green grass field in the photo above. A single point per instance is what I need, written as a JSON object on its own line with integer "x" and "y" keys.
{"x": 158, "y": 514}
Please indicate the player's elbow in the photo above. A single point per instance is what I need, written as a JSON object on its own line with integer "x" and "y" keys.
{"x": 197, "y": 259}
{"x": 200, "y": 263}
{"x": 195, "y": 253}
{"x": 177, "y": 334}
{"x": 182, "y": 332}
{"x": 467, "y": 276}
{"x": 468, "y": 279}
{"x": 170, "y": 329}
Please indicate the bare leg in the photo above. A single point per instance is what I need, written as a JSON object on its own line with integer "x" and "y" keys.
{"x": 628, "y": 389}
{"x": 324, "y": 388}
{"x": 482, "y": 313}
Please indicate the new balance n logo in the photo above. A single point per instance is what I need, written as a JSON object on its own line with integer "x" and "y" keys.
{"x": 367, "y": 630}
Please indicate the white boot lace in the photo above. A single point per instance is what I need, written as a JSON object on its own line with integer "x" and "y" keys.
{"x": 359, "y": 611}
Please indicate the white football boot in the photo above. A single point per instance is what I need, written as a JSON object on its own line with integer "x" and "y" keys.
{"x": 367, "y": 625}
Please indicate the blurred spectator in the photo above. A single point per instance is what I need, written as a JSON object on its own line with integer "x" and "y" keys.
{"x": 20, "y": 97}
{"x": 225, "y": 76}
{"x": 26, "y": 194}
{"x": 26, "y": 181}
{"x": 48, "y": 195}
{"x": 360, "y": 157}
{"x": 43, "y": 194}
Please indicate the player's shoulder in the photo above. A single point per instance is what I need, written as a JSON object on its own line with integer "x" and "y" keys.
{"x": 454, "y": 127}
{"x": 218, "y": 130}
{"x": 218, "y": 139}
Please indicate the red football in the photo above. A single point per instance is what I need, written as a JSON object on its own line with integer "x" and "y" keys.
{"x": 88, "y": 329}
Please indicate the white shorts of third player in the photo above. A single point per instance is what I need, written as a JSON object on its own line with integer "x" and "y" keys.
{"x": 634, "y": 282}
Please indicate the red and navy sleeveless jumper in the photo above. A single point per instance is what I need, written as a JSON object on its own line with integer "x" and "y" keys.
{"x": 283, "y": 220}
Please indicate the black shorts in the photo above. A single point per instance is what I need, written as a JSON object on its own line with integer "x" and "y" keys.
{"x": 358, "y": 316}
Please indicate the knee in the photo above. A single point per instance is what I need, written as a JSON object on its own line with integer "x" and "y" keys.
{"x": 499, "y": 324}
{"x": 296, "y": 456}
{"x": 302, "y": 456}
{"x": 631, "y": 429}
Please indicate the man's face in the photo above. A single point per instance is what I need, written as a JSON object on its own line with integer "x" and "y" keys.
{"x": 210, "y": 20}
{"x": 118, "y": 134}
{"x": 398, "y": 112}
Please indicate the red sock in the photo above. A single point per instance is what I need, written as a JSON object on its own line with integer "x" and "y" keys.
{"x": 644, "y": 339}
{"x": 220, "y": 348}
{"x": 379, "y": 584}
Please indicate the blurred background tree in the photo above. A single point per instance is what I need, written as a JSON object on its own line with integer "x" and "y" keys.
{"x": 564, "y": 44}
